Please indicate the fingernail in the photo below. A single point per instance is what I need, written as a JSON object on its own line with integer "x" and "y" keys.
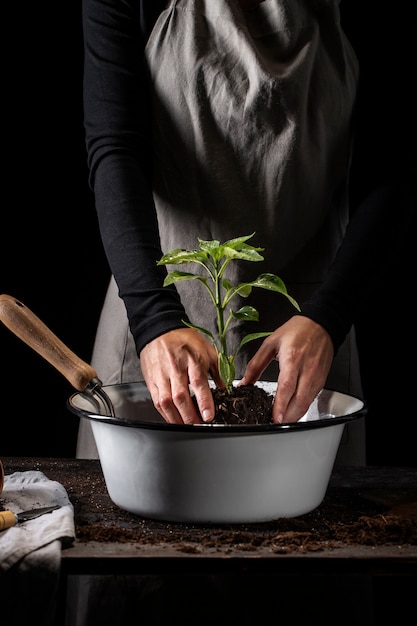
{"x": 206, "y": 416}
{"x": 280, "y": 418}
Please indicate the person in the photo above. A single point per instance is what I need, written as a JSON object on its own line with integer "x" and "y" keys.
{"x": 214, "y": 119}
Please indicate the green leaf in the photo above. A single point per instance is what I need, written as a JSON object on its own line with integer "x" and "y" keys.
{"x": 270, "y": 281}
{"x": 178, "y": 256}
{"x": 251, "y": 337}
{"x": 246, "y": 313}
{"x": 232, "y": 249}
{"x": 226, "y": 370}
{"x": 177, "y": 276}
{"x": 212, "y": 248}
{"x": 244, "y": 290}
{"x": 238, "y": 243}
{"x": 245, "y": 253}
{"x": 209, "y": 246}
{"x": 201, "y": 330}
{"x": 293, "y": 302}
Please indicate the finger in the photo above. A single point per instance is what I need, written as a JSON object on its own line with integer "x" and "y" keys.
{"x": 294, "y": 397}
{"x": 286, "y": 388}
{"x": 214, "y": 373}
{"x": 293, "y": 410}
{"x": 205, "y": 403}
{"x": 167, "y": 410}
{"x": 203, "y": 397}
{"x": 177, "y": 404}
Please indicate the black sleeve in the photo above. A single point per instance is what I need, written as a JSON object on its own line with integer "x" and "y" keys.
{"x": 371, "y": 243}
{"x": 383, "y": 173}
{"x": 117, "y": 119}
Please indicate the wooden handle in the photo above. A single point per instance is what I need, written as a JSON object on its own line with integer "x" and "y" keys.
{"x": 7, "y": 519}
{"x": 28, "y": 327}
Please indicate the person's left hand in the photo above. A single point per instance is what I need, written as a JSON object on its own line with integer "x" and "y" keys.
{"x": 304, "y": 351}
{"x": 170, "y": 364}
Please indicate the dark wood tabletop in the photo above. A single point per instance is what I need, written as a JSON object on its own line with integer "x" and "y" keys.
{"x": 367, "y": 523}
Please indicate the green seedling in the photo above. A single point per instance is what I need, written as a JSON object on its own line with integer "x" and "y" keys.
{"x": 214, "y": 257}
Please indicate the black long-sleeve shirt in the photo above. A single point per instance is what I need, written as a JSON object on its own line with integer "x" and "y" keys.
{"x": 118, "y": 138}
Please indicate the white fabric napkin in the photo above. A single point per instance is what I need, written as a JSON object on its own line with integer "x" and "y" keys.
{"x": 31, "y": 490}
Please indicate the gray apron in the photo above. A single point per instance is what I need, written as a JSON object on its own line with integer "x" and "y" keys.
{"x": 252, "y": 133}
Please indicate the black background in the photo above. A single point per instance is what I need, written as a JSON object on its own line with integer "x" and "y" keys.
{"x": 51, "y": 254}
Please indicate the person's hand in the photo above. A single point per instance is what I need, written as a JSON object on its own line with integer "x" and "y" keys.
{"x": 169, "y": 364}
{"x": 304, "y": 351}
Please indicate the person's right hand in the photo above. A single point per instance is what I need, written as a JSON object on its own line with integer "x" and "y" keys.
{"x": 304, "y": 351}
{"x": 172, "y": 362}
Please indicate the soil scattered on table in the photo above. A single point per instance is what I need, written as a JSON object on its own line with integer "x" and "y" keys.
{"x": 335, "y": 523}
{"x": 343, "y": 519}
{"x": 327, "y": 527}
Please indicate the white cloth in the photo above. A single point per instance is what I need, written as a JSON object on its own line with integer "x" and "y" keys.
{"x": 31, "y": 490}
{"x": 30, "y": 552}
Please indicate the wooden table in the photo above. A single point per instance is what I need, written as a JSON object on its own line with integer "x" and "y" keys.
{"x": 335, "y": 538}
{"x": 356, "y": 553}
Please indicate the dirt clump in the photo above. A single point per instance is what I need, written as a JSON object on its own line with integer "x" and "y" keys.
{"x": 247, "y": 404}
